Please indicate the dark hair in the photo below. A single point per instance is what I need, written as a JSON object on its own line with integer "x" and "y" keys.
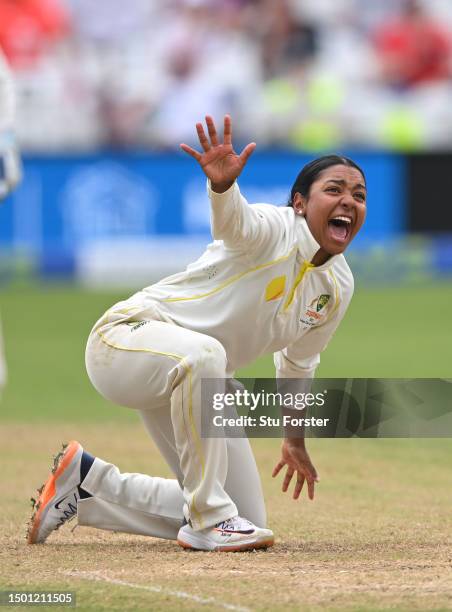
{"x": 311, "y": 171}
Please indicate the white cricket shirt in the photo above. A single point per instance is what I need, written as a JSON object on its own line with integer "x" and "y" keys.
{"x": 254, "y": 288}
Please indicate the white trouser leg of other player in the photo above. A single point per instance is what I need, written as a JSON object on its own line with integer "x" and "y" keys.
{"x": 157, "y": 368}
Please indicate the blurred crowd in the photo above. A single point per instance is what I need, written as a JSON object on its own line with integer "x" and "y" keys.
{"x": 308, "y": 74}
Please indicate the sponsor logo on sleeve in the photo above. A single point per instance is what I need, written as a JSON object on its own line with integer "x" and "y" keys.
{"x": 316, "y": 311}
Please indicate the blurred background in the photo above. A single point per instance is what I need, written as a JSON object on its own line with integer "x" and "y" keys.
{"x": 106, "y": 92}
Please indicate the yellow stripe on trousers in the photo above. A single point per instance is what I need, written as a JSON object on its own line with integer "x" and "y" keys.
{"x": 182, "y": 361}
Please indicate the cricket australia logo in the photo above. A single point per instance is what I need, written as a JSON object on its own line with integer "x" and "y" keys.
{"x": 322, "y": 301}
{"x": 316, "y": 310}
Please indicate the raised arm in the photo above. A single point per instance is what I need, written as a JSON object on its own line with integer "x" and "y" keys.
{"x": 233, "y": 220}
{"x": 220, "y": 163}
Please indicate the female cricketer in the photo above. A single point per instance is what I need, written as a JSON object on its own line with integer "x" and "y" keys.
{"x": 249, "y": 294}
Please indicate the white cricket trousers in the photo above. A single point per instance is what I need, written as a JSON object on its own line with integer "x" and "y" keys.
{"x": 156, "y": 368}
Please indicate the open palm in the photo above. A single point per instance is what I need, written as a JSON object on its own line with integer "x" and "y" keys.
{"x": 295, "y": 456}
{"x": 220, "y": 163}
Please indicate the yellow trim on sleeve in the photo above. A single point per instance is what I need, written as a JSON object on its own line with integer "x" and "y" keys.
{"x": 337, "y": 300}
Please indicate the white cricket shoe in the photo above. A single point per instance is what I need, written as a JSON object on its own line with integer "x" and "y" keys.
{"x": 58, "y": 497}
{"x": 233, "y": 535}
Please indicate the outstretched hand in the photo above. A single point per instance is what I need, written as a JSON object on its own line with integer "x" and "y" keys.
{"x": 220, "y": 163}
{"x": 295, "y": 456}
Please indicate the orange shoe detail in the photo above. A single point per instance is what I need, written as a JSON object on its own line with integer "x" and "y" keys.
{"x": 47, "y": 492}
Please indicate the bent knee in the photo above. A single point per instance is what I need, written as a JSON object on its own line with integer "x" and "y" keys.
{"x": 209, "y": 357}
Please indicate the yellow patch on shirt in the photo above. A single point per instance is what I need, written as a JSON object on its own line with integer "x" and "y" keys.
{"x": 275, "y": 288}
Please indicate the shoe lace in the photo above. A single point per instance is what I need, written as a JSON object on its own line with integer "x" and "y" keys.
{"x": 236, "y": 522}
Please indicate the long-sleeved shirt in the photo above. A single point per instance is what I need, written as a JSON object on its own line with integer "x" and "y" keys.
{"x": 254, "y": 289}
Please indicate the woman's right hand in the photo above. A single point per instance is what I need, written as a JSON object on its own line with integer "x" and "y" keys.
{"x": 295, "y": 457}
{"x": 220, "y": 163}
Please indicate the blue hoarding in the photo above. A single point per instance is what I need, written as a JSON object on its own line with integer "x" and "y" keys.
{"x": 66, "y": 203}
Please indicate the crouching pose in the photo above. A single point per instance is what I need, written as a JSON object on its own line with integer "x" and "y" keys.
{"x": 249, "y": 294}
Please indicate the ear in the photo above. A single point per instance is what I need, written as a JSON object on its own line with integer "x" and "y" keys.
{"x": 299, "y": 203}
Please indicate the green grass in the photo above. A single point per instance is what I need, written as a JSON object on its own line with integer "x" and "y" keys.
{"x": 376, "y": 537}
{"x": 396, "y": 332}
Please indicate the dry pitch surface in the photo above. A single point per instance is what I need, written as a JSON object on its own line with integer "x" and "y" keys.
{"x": 378, "y": 535}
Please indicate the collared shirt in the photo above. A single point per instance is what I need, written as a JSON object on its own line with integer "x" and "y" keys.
{"x": 254, "y": 289}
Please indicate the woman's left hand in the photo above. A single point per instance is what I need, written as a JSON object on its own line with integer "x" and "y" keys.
{"x": 295, "y": 456}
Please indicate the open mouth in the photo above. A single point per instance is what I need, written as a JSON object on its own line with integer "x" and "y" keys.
{"x": 340, "y": 228}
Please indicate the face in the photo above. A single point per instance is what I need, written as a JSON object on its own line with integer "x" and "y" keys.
{"x": 335, "y": 208}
